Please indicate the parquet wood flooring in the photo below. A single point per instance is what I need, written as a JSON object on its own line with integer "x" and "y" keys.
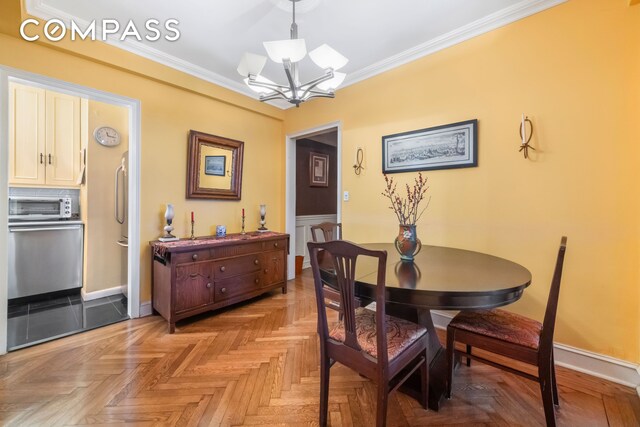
{"x": 257, "y": 364}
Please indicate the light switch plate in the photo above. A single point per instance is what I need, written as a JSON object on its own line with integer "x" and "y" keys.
{"x": 345, "y": 197}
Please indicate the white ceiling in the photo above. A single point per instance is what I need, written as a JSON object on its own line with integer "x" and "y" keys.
{"x": 375, "y": 35}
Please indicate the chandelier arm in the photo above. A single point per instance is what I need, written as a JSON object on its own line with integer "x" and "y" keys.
{"x": 322, "y": 95}
{"x": 264, "y": 98}
{"x": 313, "y": 83}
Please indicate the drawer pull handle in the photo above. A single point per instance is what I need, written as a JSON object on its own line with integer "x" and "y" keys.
{"x": 194, "y": 257}
{"x": 266, "y": 270}
{"x": 275, "y": 245}
{"x": 223, "y": 290}
{"x": 209, "y": 286}
{"x": 222, "y": 268}
{"x": 192, "y": 275}
{"x": 255, "y": 261}
{"x": 257, "y": 280}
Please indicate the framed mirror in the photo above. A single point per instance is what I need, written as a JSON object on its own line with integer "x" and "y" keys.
{"x": 214, "y": 169}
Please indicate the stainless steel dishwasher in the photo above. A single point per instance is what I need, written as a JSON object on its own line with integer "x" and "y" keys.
{"x": 44, "y": 257}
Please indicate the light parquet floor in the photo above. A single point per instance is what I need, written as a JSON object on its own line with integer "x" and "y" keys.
{"x": 257, "y": 364}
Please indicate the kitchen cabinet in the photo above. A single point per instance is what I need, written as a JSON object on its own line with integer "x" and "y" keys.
{"x": 194, "y": 276}
{"x": 45, "y": 137}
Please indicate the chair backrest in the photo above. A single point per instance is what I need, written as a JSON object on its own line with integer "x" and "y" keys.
{"x": 339, "y": 260}
{"x": 330, "y": 231}
{"x": 549, "y": 323}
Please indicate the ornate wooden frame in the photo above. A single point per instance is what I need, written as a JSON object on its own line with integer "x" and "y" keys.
{"x": 194, "y": 190}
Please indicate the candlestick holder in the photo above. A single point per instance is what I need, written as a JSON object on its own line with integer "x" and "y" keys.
{"x": 524, "y": 145}
{"x": 243, "y": 232}
{"x": 193, "y": 237}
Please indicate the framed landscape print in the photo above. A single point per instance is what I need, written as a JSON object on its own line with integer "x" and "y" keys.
{"x": 214, "y": 165}
{"x": 441, "y": 147}
{"x": 318, "y": 170}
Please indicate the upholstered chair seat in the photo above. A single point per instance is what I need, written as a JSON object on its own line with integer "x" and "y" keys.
{"x": 501, "y": 325}
{"x": 400, "y": 333}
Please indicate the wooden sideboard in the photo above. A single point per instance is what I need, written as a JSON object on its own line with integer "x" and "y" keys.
{"x": 194, "y": 276}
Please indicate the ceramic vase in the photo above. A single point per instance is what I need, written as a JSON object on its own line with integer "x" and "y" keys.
{"x": 407, "y": 242}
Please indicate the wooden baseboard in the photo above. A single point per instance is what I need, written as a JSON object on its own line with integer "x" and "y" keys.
{"x": 598, "y": 365}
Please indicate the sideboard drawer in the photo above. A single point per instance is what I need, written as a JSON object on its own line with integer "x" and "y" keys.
{"x": 233, "y": 266}
{"x": 195, "y": 256}
{"x": 277, "y": 245}
{"x": 236, "y": 286}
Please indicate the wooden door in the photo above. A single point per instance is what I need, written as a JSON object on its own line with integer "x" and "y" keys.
{"x": 194, "y": 286}
{"x": 63, "y": 139}
{"x": 26, "y": 135}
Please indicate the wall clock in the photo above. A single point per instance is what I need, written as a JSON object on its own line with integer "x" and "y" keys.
{"x": 107, "y": 136}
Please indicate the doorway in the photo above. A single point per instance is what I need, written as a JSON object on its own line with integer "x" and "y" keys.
{"x": 309, "y": 201}
{"x": 32, "y": 317}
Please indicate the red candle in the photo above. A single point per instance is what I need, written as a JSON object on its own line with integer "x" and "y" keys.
{"x": 191, "y": 216}
{"x": 242, "y": 211}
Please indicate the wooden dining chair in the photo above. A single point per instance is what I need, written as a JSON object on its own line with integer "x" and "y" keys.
{"x": 330, "y": 231}
{"x": 375, "y": 345}
{"x": 514, "y": 336}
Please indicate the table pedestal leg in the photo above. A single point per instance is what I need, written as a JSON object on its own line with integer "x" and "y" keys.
{"x": 437, "y": 355}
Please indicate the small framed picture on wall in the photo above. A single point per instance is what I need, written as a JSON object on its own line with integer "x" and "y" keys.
{"x": 318, "y": 170}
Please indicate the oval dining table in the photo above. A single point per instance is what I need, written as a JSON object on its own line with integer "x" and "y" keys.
{"x": 439, "y": 278}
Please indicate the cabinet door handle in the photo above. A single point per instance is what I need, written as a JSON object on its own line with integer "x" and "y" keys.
{"x": 192, "y": 275}
{"x": 209, "y": 286}
{"x": 257, "y": 281}
{"x": 222, "y": 268}
{"x": 255, "y": 261}
{"x": 194, "y": 257}
{"x": 275, "y": 245}
{"x": 41, "y": 158}
{"x": 223, "y": 290}
{"x": 49, "y": 158}
{"x": 266, "y": 270}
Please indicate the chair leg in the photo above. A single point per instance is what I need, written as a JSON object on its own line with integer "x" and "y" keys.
{"x": 468, "y": 352}
{"x": 424, "y": 376}
{"x": 324, "y": 389}
{"x": 546, "y": 389}
{"x": 383, "y": 400}
{"x": 450, "y": 359}
{"x": 556, "y": 400}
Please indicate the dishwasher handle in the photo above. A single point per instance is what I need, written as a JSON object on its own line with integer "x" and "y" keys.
{"x": 22, "y": 230}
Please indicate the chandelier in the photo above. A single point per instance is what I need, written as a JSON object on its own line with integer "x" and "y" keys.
{"x": 289, "y": 53}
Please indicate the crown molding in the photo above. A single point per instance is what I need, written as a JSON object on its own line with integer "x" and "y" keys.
{"x": 488, "y": 23}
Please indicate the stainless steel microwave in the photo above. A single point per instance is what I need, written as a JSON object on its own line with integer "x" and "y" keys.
{"x": 39, "y": 208}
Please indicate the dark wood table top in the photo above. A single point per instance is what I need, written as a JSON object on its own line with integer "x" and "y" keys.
{"x": 444, "y": 278}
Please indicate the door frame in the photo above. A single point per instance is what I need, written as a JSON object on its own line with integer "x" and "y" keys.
{"x": 290, "y": 183}
{"x": 133, "y": 105}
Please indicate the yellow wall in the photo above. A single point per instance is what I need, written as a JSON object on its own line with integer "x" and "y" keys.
{"x": 574, "y": 70}
{"x": 172, "y": 103}
{"x": 105, "y": 261}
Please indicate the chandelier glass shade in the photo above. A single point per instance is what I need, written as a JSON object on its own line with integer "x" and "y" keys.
{"x": 288, "y": 53}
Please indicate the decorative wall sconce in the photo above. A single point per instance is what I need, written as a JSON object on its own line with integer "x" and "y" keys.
{"x": 358, "y": 168}
{"x": 525, "y": 139}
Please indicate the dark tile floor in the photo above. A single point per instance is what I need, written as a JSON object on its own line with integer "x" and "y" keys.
{"x": 40, "y": 321}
